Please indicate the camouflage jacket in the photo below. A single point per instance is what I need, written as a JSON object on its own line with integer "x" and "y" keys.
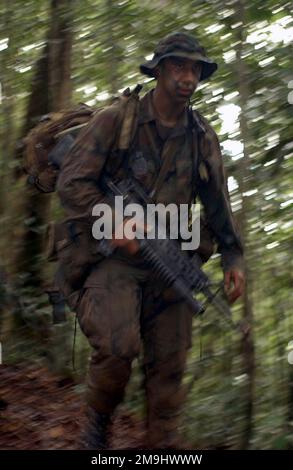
{"x": 187, "y": 176}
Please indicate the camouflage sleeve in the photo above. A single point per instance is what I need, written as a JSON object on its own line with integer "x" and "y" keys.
{"x": 214, "y": 195}
{"x": 78, "y": 182}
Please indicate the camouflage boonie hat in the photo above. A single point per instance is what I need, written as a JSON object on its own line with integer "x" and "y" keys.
{"x": 180, "y": 45}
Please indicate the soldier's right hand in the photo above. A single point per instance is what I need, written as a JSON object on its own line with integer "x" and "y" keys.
{"x": 125, "y": 238}
{"x": 131, "y": 246}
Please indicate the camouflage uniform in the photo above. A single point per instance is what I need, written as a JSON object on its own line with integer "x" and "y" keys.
{"x": 121, "y": 295}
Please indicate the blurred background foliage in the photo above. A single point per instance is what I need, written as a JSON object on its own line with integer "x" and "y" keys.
{"x": 54, "y": 54}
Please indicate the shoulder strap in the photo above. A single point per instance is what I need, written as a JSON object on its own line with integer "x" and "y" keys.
{"x": 130, "y": 118}
{"x": 199, "y": 167}
{"x": 159, "y": 181}
{"x": 128, "y": 104}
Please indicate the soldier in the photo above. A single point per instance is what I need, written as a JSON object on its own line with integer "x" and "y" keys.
{"x": 120, "y": 294}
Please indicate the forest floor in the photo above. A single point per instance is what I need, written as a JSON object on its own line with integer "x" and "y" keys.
{"x": 40, "y": 411}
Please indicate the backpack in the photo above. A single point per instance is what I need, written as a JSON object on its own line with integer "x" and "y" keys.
{"x": 47, "y": 143}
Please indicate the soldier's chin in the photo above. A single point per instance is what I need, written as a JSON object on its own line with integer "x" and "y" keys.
{"x": 183, "y": 97}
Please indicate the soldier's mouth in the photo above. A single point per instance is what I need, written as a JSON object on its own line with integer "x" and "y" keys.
{"x": 185, "y": 91}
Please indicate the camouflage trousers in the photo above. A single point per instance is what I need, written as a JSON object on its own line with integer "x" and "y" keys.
{"x": 124, "y": 312}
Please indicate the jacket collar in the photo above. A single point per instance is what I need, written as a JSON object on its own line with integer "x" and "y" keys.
{"x": 147, "y": 114}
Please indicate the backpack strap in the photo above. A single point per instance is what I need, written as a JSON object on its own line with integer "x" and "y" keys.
{"x": 199, "y": 171}
{"x": 130, "y": 118}
{"x": 128, "y": 123}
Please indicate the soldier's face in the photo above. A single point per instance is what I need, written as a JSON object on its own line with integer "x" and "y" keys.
{"x": 179, "y": 77}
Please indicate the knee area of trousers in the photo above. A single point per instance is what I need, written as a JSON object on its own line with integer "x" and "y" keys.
{"x": 170, "y": 369}
{"x": 109, "y": 370}
{"x": 124, "y": 345}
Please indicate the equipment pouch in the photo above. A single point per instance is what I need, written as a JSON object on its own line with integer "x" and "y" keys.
{"x": 72, "y": 244}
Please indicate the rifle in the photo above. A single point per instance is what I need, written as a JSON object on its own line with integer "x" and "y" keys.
{"x": 173, "y": 266}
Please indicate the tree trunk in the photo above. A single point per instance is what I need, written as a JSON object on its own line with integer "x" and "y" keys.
{"x": 7, "y": 109}
{"x": 51, "y": 90}
{"x": 60, "y": 45}
{"x": 247, "y": 340}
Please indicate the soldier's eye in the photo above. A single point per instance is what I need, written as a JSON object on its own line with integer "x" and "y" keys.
{"x": 177, "y": 64}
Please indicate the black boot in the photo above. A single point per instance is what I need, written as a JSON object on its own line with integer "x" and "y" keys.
{"x": 95, "y": 435}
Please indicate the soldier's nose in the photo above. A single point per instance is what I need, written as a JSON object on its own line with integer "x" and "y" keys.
{"x": 189, "y": 79}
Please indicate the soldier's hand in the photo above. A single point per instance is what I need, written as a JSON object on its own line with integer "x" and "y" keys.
{"x": 129, "y": 243}
{"x": 234, "y": 282}
{"x": 131, "y": 246}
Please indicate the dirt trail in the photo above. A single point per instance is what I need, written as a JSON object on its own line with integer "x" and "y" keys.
{"x": 41, "y": 411}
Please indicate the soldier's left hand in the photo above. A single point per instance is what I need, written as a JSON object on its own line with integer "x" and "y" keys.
{"x": 234, "y": 283}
